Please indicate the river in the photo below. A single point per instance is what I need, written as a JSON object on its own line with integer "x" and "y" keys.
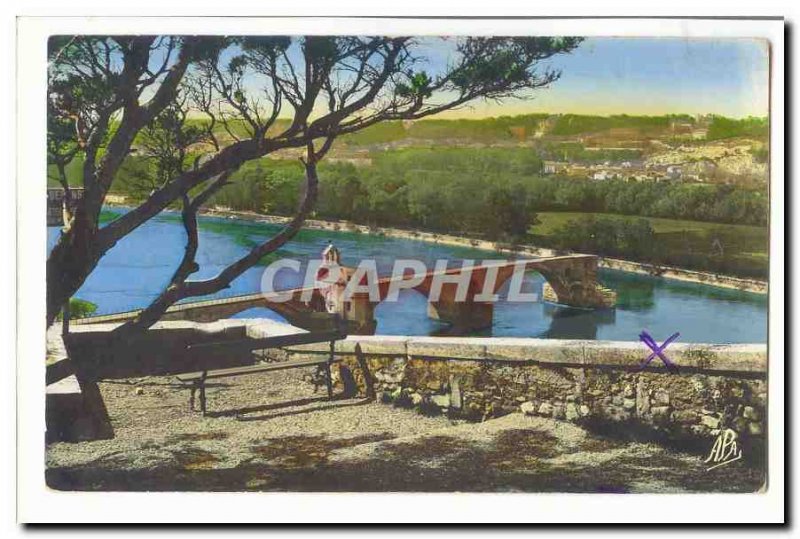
{"x": 137, "y": 268}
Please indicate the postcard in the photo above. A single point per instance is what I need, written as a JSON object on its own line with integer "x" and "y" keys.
{"x": 358, "y": 261}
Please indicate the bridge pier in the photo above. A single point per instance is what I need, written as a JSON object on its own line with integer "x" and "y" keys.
{"x": 468, "y": 316}
{"x": 575, "y": 284}
{"x": 359, "y": 312}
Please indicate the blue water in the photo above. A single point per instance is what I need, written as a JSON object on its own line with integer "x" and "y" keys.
{"x": 140, "y": 265}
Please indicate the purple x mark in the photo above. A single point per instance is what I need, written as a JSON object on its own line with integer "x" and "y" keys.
{"x": 657, "y": 350}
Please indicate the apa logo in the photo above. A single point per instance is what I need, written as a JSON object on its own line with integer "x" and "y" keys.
{"x": 724, "y": 451}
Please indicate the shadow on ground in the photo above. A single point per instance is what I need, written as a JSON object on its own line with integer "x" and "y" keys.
{"x": 273, "y": 434}
{"x": 515, "y": 460}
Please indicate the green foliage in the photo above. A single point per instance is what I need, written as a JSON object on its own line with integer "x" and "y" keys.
{"x": 631, "y": 238}
{"x": 504, "y": 128}
{"x": 574, "y": 124}
{"x": 760, "y": 154}
{"x": 577, "y": 153}
{"x": 74, "y": 171}
{"x": 418, "y": 86}
{"x": 729, "y": 249}
{"x": 380, "y": 133}
{"x": 79, "y": 308}
{"x": 458, "y": 189}
{"x": 264, "y": 185}
{"x": 722, "y": 128}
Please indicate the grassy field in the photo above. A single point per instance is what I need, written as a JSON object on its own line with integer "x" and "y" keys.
{"x": 553, "y": 220}
{"x": 746, "y": 246}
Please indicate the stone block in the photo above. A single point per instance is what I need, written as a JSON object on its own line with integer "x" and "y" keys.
{"x": 259, "y": 329}
{"x": 379, "y": 345}
{"x": 740, "y": 424}
{"x": 661, "y": 398}
{"x": 558, "y": 411}
{"x": 660, "y": 412}
{"x": 642, "y": 405}
{"x": 72, "y": 414}
{"x": 710, "y": 421}
{"x": 540, "y": 350}
{"x": 433, "y": 385}
{"x": 629, "y": 404}
{"x": 545, "y": 409}
{"x": 751, "y": 413}
{"x": 528, "y": 408}
{"x": 685, "y": 416}
{"x": 613, "y": 353}
{"x": 456, "y": 398}
{"x": 447, "y": 347}
{"x": 571, "y": 411}
{"x": 724, "y": 357}
{"x": 442, "y": 401}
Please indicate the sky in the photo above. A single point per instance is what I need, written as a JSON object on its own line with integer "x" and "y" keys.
{"x": 636, "y": 76}
{"x": 729, "y": 77}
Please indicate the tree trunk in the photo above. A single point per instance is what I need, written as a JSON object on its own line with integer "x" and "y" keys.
{"x": 70, "y": 262}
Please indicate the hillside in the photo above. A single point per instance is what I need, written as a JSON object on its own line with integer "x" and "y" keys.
{"x": 707, "y": 149}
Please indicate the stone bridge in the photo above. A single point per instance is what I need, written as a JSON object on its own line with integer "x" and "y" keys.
{"x": 571, "y": 281}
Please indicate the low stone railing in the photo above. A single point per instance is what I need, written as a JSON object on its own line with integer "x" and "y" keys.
{"x": 716, "y": 386}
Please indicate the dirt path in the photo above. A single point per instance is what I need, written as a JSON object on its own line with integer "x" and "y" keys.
{"x": 272, "y": 432}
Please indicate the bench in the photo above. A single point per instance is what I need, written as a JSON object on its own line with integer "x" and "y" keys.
{"x": 197, "y": 380}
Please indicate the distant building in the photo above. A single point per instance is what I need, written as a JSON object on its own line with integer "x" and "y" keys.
{"x": 555, "y": 167}
{"x": 116, "y": 199}
{"x": 641, "y": 177}
{"x": 682, "y": 127}
{"x": 674, "y": 172}
{"x": 578, "y": 171}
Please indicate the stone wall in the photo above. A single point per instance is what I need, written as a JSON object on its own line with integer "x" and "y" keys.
{"x": 589, "y": 382}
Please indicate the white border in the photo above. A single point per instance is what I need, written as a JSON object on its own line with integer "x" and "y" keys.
{"x": 38, "y": 504}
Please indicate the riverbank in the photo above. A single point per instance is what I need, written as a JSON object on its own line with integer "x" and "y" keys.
{"x": 667, "y": 272}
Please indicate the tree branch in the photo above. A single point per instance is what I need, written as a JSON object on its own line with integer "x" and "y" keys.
{"x": 179, "y": 289}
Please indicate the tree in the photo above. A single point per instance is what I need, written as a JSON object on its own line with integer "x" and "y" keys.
{"x": 124, "y": 94}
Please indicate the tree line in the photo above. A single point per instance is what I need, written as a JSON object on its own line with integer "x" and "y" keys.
{"x": 492, "y": 192}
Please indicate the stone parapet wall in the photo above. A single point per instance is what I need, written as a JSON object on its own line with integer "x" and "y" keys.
{"x": 716, "y": 387}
